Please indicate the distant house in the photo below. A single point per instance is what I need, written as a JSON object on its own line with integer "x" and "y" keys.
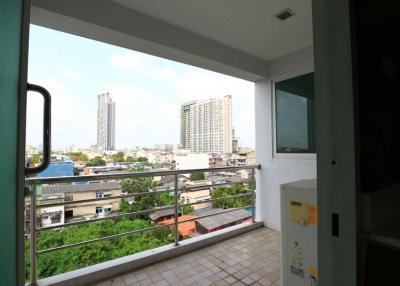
{"x": 185, "y": 229}
{"x": 199, "y": 197}
{"x": 220, "y": 221}
{"x": 58, "y": 169}
{"x": 76, "y": 192}
{"x": 161, "y": 215}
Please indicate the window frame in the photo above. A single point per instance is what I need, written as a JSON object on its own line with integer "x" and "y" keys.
{"x": 275, "y": 153}
{"x": 99, "y": 195}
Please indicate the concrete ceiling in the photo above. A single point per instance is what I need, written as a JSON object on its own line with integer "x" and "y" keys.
{"x": 246, "y": 25}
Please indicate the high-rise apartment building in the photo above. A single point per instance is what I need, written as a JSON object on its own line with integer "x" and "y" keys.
{"x": 105, "y": 123}
{"x": 206, "y": 125}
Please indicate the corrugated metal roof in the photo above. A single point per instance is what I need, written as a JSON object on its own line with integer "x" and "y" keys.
{"x": 162, "y": 213}
{"x": 223, "y": 219}
{"x": 73, "y": 188}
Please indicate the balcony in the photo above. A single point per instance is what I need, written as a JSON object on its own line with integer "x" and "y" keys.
{"x": 252, "y": 258}
{"x": 244, "y": 254}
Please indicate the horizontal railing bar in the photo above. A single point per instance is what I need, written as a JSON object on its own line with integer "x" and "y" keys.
{"x": 66, "y": 179}
{"x": 132, "y": 232}
{"x": 196, "y": 188}
{"x": 65, "y": 203}
{"x": 216, "y": 213}
{"x": 217, "y": 199}
{"x": 130, "y": 195}
{"x": 69, "y": 224}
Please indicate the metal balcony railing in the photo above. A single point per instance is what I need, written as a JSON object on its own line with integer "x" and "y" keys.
{"x": 32, "y": 183}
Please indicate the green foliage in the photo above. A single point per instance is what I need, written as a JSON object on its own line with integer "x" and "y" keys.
{"x": 77, "y": 257}
{"x": 97, "y": 161}
{"x": 236, "y": 189}
{"x": 130, "y": 159}
{"x": 251, "y": 182}
{"x": 78, "y": 156}
{"x": 119, "y": 157}
{"x": 146, "y": 201}
{"x": 142, "y": 159}
{"x": 187, "y": 209}
{"x": 36, "y": 158}
{"x": 197, "y": 176}
{"x": 76, "y": 172}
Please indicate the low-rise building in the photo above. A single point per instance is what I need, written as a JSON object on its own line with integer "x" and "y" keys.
{"x": 198, "y": 197}
{"x": 185, "y": 228}
{"x": 191, "y": 161}
{"x": 220, "y": 221}
{"x": 162, "y": 215}
{"x": 77, "y": 192}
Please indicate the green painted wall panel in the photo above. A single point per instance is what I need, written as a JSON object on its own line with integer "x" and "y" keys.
{"x": 10, "y": 43}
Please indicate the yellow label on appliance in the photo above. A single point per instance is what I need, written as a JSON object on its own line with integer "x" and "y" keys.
{"x": 298, "y": 212}
{"x": 312, "y": 215}
{"x": 313, "y": 271}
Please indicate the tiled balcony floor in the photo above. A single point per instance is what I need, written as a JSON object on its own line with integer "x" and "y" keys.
{"x": 252, "y": 258}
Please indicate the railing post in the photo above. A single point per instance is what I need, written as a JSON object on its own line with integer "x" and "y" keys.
{"x": 33, "y": 235}
{"x": 253, "y": 195}
{"x": 176, "y": 211}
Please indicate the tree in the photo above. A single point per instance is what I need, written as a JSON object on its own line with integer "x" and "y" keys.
{"x": 77, "y": 257}
{"x": 78, "y": 156}
{"x": 76, "y": 172}
{"x": 119, "y": 157}
{"x": 97, "y": 161}
{"x": 236, "y": 189}
{"x": 130, "y": 159}
{"x": 251, "y": 182}
{"x": 197, "y": 176}
{"x": 145, "y": 201}
{"x": 187, "y": 209}
{"x": 142, "y": 159}
{"x": 36, "y": 158}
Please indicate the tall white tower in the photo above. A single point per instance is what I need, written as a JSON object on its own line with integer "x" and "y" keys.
{"x": 105, "y": 123}
{"x": 206, "y": 126}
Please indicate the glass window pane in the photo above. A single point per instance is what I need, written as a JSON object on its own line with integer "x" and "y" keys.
{"x": 295, "y": 121}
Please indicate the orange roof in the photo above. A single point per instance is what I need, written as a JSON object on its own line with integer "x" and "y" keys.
{"x": 183, "y": 227}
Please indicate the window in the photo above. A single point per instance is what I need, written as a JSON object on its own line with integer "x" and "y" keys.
{"x": 68, "y": 198}
{"x": 107, "y": 195}
{"x": 99, "y": 195}
{"x": 294, "y": 113}
{"x": 99, "y": 210}
{"x": 69, "y": 214}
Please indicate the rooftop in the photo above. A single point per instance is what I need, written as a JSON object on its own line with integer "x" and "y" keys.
{"x": 213, "y": 222}
{"x": 162, "y": 213}
{"x": 185, "y": 227}
{"x": 252, "y": 258}
{"x": 73, "y": 188}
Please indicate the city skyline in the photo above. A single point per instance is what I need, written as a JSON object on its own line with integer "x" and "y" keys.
{"x": 148, "y": 91}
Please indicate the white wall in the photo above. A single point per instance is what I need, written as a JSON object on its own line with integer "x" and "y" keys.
{"x": 191, "y": 161}
{"x": 277, "y": 169}
{"x": 335, "y": 129}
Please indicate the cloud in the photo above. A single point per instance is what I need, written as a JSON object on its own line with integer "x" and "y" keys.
{"x": 71, "y": 118}
{"x": 131, "y": 62}
{"x": 130, "y": 95}
{"x": 70, "y": 74}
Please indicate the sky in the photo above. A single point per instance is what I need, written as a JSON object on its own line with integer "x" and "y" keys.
{"x": 148, "y": 92}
